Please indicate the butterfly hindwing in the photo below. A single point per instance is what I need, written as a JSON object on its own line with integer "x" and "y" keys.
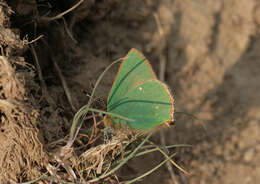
{"x": 149, "y": 104}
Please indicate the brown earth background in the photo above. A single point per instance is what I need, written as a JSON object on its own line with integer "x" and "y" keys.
{"x": 212, "y": 54}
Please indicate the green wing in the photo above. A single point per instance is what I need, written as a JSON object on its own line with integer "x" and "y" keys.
{"x": 149, "y": 103}
{"x": 133, "y": 71}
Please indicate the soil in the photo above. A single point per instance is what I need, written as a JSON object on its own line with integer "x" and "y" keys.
{"x": 212, "y": 53}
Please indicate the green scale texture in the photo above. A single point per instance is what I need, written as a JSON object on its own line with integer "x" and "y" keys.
{"x": 137, "y": 94}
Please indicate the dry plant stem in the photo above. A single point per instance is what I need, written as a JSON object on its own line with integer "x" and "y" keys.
{"x": 42, "y": 177}
{"x": 152, "y": 170}
{"x": 63, "y": 81}
{"x": 194, "y": 117}
{"x": 156, "y": 149}
{"x": 173, "y": 163}
{"x": 168, "y": 147}
{"x": 63, "y": 139}
{"x": 181, "y": 169}
{"x": 162, "y": 78}
{"x": 93, "y": 129}
{"x": 81, "y": 114}
{"x": 43, "y": 85}
{"x": 130, "y": 142}
{"x": 64, "y": 85}
{"x": 54, "y": 173}
{"x": 162, "y": 57}
{"x": 123, "y": 162}
{"x": 68, "y": 31}
{"x": 36, "y": 39}
{"x": 81, "y": 117}
{"x": 48, "y": 19}
{"x": 65, "y": 165}
{"x": 81, "y": 177}
{"x": 182, "y": 178}
{"x": 168, "y": 164}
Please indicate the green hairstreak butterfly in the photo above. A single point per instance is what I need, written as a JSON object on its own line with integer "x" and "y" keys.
{"x": 137, "y": 94}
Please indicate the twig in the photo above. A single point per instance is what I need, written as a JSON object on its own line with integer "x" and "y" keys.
{"x": 162, "y": 78}
{"x": 161, "y": 56}
{"x": 63, "y": 163}
{"x": 152, "y": 170}
{"x": 62, "y": 78}
{"x": 43, "y": 85}
{"x": 68, "y": 31}
{"x": 156, "y": 149}
{"x": 48, "y": 19}
{"x": 42, "y": 177}
{"x": 182, "y": 178}
{"x": 81, "y": 177}
{"x": 173, "y": 163}
{"x": 39, "y": 37}
{"x": 81, "y": 114}
{"x": 168, "y": 164}
{"x": 64, "y": 84}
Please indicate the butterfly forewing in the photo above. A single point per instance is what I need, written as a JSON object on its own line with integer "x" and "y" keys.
{"x": 137, "y": 94}
{"x": 133, "y": 71}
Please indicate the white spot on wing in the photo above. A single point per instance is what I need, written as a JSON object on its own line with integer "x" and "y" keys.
{"x": 140, "y": 88}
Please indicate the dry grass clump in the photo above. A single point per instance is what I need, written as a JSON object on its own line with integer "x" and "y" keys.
{"x": 11, "y": 87}
{"x": 91, "y": 155}
{"x": 98, "y": 159}
{"x": 21, "y": 152}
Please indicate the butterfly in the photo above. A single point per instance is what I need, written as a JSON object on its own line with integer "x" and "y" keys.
{"x": 138, "y": 95}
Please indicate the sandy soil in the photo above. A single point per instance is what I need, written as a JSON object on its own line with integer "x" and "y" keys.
{"x": 212, "y": 53}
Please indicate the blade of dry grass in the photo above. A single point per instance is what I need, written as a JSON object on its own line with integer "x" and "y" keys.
{"x": 80, "y": 115}
{"x": 194, "y": 117}
{"x": 48, "y": 19}
{"x": 176, "y": 165}
{"x": 155, "y": 149}
{"x": 152, "y": 170}
{"x": 122, "y": 163}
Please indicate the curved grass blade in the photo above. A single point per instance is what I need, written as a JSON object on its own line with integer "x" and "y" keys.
{"x": 152, "y": 170}
{"x": 123, "y": 162}
{"x": 80, "y": 115}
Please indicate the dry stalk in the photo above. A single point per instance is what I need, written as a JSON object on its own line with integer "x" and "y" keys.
{"x": 95, "y": 157}
{"x": 162, "y": 78}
